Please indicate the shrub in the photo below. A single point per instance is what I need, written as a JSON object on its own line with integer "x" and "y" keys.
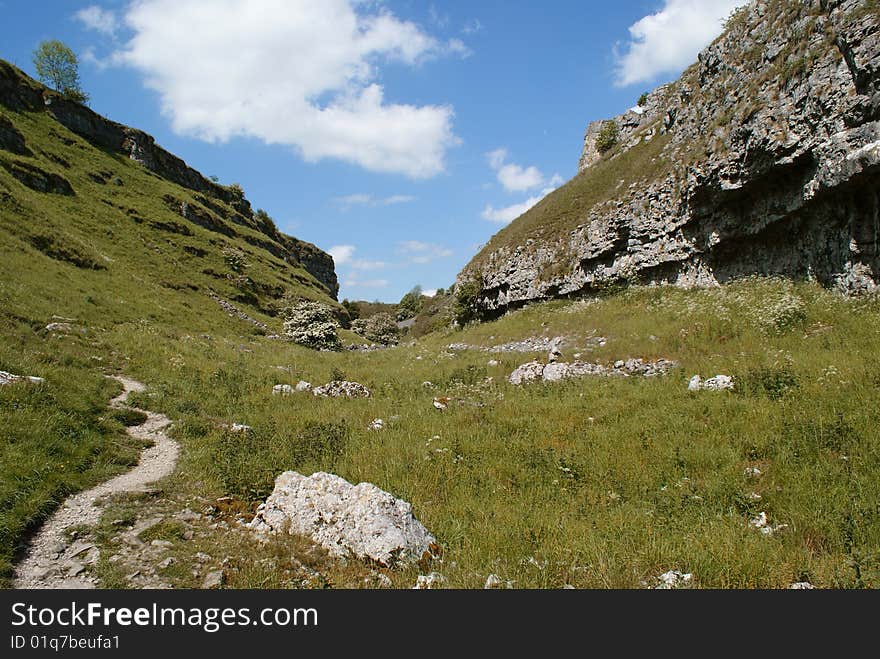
{"x": 643, "y": 100}
{"x": 608, "y": 136}
{"x": 466, "y": 306}
{"x": 381, "y": 328}
{"x": 410, "y": 304}
{"x": 312, "y": 324}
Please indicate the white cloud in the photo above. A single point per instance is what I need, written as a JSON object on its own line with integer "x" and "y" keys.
{"x": 369, "y": 200}
{"x": 344, "y": 255}
{"x": 431, "y": 292}
{"x": 513, "y": 177}
{"x": 421, "y": 253}
{"x": 670, "y": 39}
{"x": 508, "y": 214}
{"x": 95, "y": 18}
{"x": 341, "y": 253}
{"x": 300, "y": 73}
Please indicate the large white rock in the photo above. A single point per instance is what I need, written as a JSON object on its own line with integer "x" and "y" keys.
{"x": 347, "y": 520}
{"x": 527, "y": 373}
{"x": 342, "y": 389}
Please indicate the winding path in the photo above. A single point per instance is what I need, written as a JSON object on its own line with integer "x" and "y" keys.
{"x": 51, "y": 560}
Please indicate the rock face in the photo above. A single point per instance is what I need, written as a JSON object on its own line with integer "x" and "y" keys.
{"x": 763, "y": 158}
{"x": 347, "y": 520}
{"x": 19, "y": 93}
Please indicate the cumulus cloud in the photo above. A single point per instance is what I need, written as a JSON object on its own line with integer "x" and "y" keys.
{"x": 430, "y": 292}
{"x": 344, "y": 255}
{"x": 508, "y": 214}
{"x": 421, "y": 253}
{"x": 670, "y": 39}
{"x": 300, "y": 73}
{"x": 371, "y": 201}
{"x": 515, "y": 178}
{"x": 96, "y": 18}
{"x": 341, "y": 253}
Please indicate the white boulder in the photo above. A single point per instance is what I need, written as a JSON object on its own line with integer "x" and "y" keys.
{"x": 527, "y": 373}
{"x": 282, "y": 390}
{"x": 9, "y": 378}
{"x": 347, "y": 520}
{"x": 342, "y": 389}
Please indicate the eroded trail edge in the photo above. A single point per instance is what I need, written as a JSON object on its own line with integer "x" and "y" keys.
{"x": 51, "y": 559}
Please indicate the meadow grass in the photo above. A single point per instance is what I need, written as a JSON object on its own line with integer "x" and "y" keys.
{"x": 595, "y": 483}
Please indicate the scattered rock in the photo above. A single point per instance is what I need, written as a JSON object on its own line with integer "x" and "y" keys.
{"x": 165, "y": 564}
{"x": 752, "y": 472}
{"x": 214, "y": 579}
{"x": 239, "y": 428}
{"x": 673, "y": 579}
{"x": 441, "y": 403}
{"x": 718, "y": 383}
{"x": 493, "y": 582}
{"x": 60, "y": 328}
{"x": 162, "y": 544}
{"x": 429, "y": 581}
{"x": 761, "y": 523}
{"x": 558, "y": 371}
{"x": 282, "y": 390}
{"x": 802, "y": 585}
{"x": 302, "y": 385}
{"x": 360, "y": 520}
{"x": 202, "y": 557}
{"x": 9, "y": 378}
{"x": 492, "y": 363}
{"x": 342, "y": 389}
{"x": 376, "y": 424}
{"x": 527, "y": 373}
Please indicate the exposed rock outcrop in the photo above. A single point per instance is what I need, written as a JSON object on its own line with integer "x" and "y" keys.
{"x": 347, "y": 520}
{"x": 763, "y": 158}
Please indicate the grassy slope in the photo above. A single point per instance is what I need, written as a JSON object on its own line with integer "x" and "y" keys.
{"x": 604, "y": 483}
{"x": 118, "y": 256}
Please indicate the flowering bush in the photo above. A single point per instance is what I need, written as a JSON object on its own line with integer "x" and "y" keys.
{"x": 312, "y": 324}
{"x": 381, "y": 328}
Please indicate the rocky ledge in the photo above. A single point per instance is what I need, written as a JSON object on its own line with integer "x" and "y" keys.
{"x": 763, "y": 158}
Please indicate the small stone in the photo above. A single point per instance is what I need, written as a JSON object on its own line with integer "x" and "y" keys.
{"x": 673, "y": 579}
{"x": 165, "y": 564}
{"x": 802, "y": 585}
{"x": 376, "y": 424}
{"x": 202, "y": 557}
{"x": 493, "y": 582}
{"x": 441, "y": 403}
{"x": 302, "y": 385}
{"x": 240, "y": 428}
{"x": 214, "y": 579}
{"x": 162, "y": 544}
{"x": 493, "y": 363}
{"x": 282, "y": 390}
{"x": 429, "y": 581}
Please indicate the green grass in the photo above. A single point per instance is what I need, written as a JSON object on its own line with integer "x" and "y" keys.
{"x": 610, "y": 482}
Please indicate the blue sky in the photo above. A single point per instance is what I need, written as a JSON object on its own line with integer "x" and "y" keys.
{"x": 399, "y": 135}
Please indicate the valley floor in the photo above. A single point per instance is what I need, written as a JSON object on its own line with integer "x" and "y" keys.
{"x": 592, "y": 482}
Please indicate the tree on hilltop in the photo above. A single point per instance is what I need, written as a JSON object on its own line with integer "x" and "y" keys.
{"x": 58, "y": 67}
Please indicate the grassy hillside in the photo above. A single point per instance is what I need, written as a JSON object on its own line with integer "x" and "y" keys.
{"x": 91, "y": 238}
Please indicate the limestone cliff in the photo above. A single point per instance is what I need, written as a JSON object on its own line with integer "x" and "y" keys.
{"x": 763, "y": 158}
{"x": 19, "y": 93}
